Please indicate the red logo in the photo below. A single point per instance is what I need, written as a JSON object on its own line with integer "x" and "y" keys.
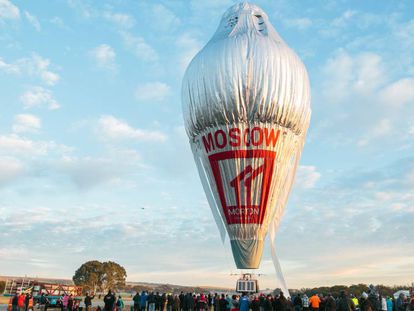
{"x": 243, "y": 179}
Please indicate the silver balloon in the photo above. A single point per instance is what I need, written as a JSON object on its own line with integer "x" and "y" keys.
{"x": 246, "y": 106}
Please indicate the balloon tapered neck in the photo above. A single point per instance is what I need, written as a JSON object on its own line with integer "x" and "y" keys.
{"x": 247, "y": 253}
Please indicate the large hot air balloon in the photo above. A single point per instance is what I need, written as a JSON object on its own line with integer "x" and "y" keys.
{"x": 246, "y": 106}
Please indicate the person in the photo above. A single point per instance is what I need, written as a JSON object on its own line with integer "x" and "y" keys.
{"x": 202, "y": 303}
{"x": 330, "y": 304}
{"x": 20, "y": 302}
{"x": 314, "y": 302}
{"x": 280, "y": 303}
{"x": 143, "y": 301}
{"x": 389, "y": 304}
{"x": 383, "y": 303}
{"x": 365, "y": 304}
{"x": 244, "y": 303}
{"x": 109, "y": 301}
{"x": 151, "y": 301}
{"x": 297, "y": 303}
{"x": 305, "y": 302}
{"x": 65, "y": 300}
{"x": 27, "y": 301}
{"x": 254, "y": 304}
{"x": 120, "y": 304}
{"x": 70, "y": 303}
{"x": 343, "y": 303}
{"x": 88, "y": 301}
{"x": 15, "y": 303}
{"x": 137, "y": 301}
{"x": 223, "y": 303}
{"x": 170, "y": 302}
{"x": 43, "y": 301}
{"x": 355, "y": 302}
{"x": 234, "y": 303}
{"x": 177, "y": 303}
{"x": 400, "y": 303}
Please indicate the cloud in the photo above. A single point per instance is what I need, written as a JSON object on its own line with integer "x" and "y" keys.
{"x": 399, "y": 93}
{"x": 165, "y": 19}
{"x": 120, "y": 19}
{"x": 115, "y": 129}
{"x": 8, "y": 10}
{"x": 306, "y": 177}
{"x": 9, "y": 68}
{"x": 32, "y": 20}
{"x": 26, "y": 123}
{"x": 188, "y": 46}
{"x": 139, "y": 47}
{"x": 38, "y": 97}
{"x": 383, "y": 128}
{"x": 36, "y": 66}
{"x": 104, "y": 56}
{"x": 299, "y": 23}
{"x": 10, "y": 169}
{"x": 152, "y": 92}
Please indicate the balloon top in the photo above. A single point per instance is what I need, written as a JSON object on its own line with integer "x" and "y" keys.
{"x": 243, "y": 18}
{"x": 245, "y": 73}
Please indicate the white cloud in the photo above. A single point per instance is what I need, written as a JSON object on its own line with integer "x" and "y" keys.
{"x": 399, "y": 93}
{"x": 299, "y": 23}
{"x": 139, "y": 47}
{"x": 120, "y": 19}
{"x": 307, "y": 177}
{"x": 16, "y": 145}
{"x": 37, "y": 97}
{"x": 9, "y": 68}
{"x": 58, "y": 22}
{"x": 39, "y": 66}
{"x": 32, "y": 20}
{"x": 189, "y": 46}
{"x": 104, "y": 56}
{"x": 152, "y": 91}
{"x": 26, "y": 123}
{"x": 34, "y": 66}
{"x": 10, "y": 169}
{"x": 382, "y": 128}
{"x": 8, "y": 10}
{"x": 165, "y": 19}
{"x": 115, "y": 129}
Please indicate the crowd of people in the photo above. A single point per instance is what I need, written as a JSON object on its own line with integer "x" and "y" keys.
{"x": 145, "y": 301}
{"x": 150, "y": 301}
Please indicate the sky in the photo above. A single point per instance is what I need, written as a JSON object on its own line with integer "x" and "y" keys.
{"x": 95, "y": 162}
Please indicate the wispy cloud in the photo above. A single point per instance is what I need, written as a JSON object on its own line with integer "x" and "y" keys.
{"x": 26, "y": 123}
{"x": 139, "y": 47}
{"x": 33, "y": 20}
{"x": 104, "y": 56}
{"x": 152, "y": 92}
{"x": 8, "y": 10}
{"x": 116, "y": 129}
{"x": 121, "y": 20}
{"x": 38, "y": 96}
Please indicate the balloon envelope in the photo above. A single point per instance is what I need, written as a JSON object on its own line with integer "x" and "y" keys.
{"x": 246, "y": 106}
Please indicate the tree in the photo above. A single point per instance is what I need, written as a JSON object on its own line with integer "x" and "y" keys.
{"x": 114, "y": 275}
{"x": 95, "y": 275}
{"x": 2, "y": 286}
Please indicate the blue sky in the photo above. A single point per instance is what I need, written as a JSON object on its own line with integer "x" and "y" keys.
{"x": 95, "y": 164}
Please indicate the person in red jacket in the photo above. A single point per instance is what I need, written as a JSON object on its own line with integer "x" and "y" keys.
{"x": 21, "y": 302}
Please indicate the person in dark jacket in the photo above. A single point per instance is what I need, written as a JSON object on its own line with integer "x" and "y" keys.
{"x": 280, "y": 304}
{"x": 137, "y": 301}
{"x": 88, "y": 301}
{"x": 344, "y": 303}
{"x": 254, "y": 304}
{"x": 109, "y": 301}
{"x": 297, "y": 303}
{"x": 330, "y": 304}
{"x": 223, "y": 303}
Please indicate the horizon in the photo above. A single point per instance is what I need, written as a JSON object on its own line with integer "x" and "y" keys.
{"x": 95, "y": 162}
